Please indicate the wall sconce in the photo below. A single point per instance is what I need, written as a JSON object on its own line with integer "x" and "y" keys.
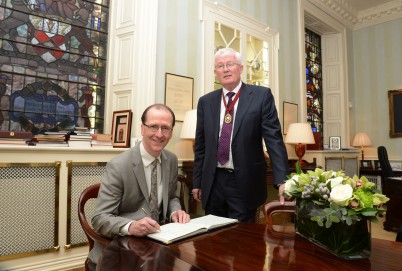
{"x": 361, "y": 140}
{"x": 189, "y": 125}
{"x": 299, "y": 134}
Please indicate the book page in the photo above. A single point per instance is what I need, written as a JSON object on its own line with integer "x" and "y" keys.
{"x": 175, "y": 231}
{"x": 212, "y": 221}
{"x": 171, "y": 231}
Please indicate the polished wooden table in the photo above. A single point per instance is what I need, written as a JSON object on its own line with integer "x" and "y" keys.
{"x": 241, "y": 247}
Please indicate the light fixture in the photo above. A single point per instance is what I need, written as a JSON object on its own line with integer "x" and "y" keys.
{"x": 299, "y": 134}
{"x": 189, "y": 125}
{"x": 361, "y": 140}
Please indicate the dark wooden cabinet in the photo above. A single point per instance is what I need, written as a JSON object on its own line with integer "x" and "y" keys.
{"x": 393, "y": 190}
{"x": 187, "y": 170}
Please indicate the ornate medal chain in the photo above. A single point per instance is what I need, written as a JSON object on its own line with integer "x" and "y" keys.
{"x": 228, "y": 117}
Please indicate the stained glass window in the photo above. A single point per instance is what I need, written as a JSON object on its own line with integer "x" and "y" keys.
{"x": 314, "y": 82}
{"x": 52, "y": 64}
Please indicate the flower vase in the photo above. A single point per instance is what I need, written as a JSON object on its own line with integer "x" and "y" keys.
{"x": 345, "y": 241}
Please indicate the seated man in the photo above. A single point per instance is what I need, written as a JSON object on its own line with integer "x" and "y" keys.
{"x": 138, "y": 189}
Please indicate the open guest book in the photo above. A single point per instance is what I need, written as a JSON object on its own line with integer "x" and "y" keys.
{"x": 173, "y": 232}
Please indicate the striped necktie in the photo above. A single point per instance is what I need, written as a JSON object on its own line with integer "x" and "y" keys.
{"x": 153, "y": 201}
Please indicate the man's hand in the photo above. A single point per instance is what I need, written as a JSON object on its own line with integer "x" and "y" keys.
{"x": 280, "y": 194}
{"x": 143, "y": 227}
{"x": 180, "y": 216}
{"x": 196, "y": 194}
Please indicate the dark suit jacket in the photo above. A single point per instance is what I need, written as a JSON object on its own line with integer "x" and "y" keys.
{"x": 124, "y": 192}
{"x": 256, "y": 118}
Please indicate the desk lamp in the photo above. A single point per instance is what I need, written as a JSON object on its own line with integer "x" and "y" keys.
{"x": 299, "y": 134}
{"x": 361, "y": 140}
{"x": 189, "y": 125}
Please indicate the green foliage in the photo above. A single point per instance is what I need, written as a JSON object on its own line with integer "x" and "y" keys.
{"x": 331, "y": 197}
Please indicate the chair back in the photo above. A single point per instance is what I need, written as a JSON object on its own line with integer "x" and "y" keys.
{"x": 384, "y": 162}
{"x": 90, "y": 192}
{"x": 286, "y": 211}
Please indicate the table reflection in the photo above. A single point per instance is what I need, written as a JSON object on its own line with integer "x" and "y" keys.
{"x": 241, "y": 247}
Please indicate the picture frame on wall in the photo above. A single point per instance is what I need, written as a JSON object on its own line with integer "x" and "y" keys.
{"x": 366, "y": 164}
{"x": 179, "y": 94}
{"x": 395, "y": 113}
{"x": 335, "y": 142}
{"x": 121, "y": 128}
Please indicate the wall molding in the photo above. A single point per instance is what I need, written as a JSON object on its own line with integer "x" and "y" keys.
{"x": 353, "y": 19}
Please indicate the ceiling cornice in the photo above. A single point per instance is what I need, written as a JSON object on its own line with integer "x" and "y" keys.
{"x": 351, "y": 18}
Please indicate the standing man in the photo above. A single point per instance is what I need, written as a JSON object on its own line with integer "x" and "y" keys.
{"x": 229, "y": 166}
{"x": 138, "y": 190}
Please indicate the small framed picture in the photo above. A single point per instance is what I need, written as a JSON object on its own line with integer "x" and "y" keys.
{"x": 121, "y": 128}
{"x": 335, "y": 142}
{"x": 366, "y": 164}
{"x": 377, "y": 164}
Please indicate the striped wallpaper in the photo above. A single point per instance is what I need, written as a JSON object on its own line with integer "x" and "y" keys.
{"x": 374, "y": 63}
{"x": 377, "y": 59}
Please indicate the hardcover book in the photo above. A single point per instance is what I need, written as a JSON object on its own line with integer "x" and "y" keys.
{"x": 14, "y": 134}
{"x": 173, "y": 232}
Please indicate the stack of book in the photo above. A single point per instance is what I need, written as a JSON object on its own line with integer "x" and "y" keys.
{"x": 15, "y": 138}
{"x": 51, "y": 139}
{"x": 80, "y": 140}
{"x": 101, "y": 141}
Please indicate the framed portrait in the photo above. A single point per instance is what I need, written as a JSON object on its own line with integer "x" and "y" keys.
{"x": 366, "y": 164}
{"x": 121, "y": 128}
{"x": 289, "y": 115}
{"x": 377, "y": 164}
{"x": 179, "y": 94}
{"x": 335, "y": 142}
{"x": 395, "y": 113}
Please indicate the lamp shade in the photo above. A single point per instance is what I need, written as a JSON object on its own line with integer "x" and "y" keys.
{"x": 299, "y": 133}
{"x": 189, "y": 125}
{"x": 361, "y": 140}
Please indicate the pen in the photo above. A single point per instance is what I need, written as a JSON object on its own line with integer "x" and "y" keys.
{"x": 146, "y": 213}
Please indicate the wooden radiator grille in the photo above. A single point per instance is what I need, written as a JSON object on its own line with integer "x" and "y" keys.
{"x": 80, "y": 176}
{"x": 31, "y": 191}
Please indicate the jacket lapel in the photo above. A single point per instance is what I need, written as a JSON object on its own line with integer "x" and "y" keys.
{"x": 245, "y": 99}
{"x": 138, "y": 171}
{"x": 215, "y": 109}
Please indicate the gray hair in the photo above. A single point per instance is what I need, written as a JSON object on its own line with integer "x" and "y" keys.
{"x": 228, "y": 52}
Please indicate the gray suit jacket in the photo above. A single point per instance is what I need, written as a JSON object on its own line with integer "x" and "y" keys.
{"x": 256, "y": 118}
{"x": 124, "y": 192}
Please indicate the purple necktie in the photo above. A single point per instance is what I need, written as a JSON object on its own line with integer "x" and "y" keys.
{"x": 226, "y": 132}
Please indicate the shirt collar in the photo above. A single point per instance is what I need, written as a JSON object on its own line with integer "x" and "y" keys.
{"x": 147, "y": 159}
{"x": 225, "y": 91}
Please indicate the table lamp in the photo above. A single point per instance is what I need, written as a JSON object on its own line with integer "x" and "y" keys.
{"x": 189, "y": 125}
{"x": 361, "y": 140}
{"x": 299, "y": 134}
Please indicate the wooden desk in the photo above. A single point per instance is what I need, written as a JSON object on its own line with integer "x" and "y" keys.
{"x": 241, "y": 247}
{"x": 393, "y": 189}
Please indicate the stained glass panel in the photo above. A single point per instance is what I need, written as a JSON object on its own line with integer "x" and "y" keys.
{"x": 314, "y": 81}
{"x": 52, "y": 64}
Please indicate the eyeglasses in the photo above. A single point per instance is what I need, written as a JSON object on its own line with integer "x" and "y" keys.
{"x": 155, "y": 128}
{"x": 228, "y": 65}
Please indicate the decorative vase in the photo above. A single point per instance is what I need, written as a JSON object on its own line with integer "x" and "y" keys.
{"x": 345, "y": 241}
